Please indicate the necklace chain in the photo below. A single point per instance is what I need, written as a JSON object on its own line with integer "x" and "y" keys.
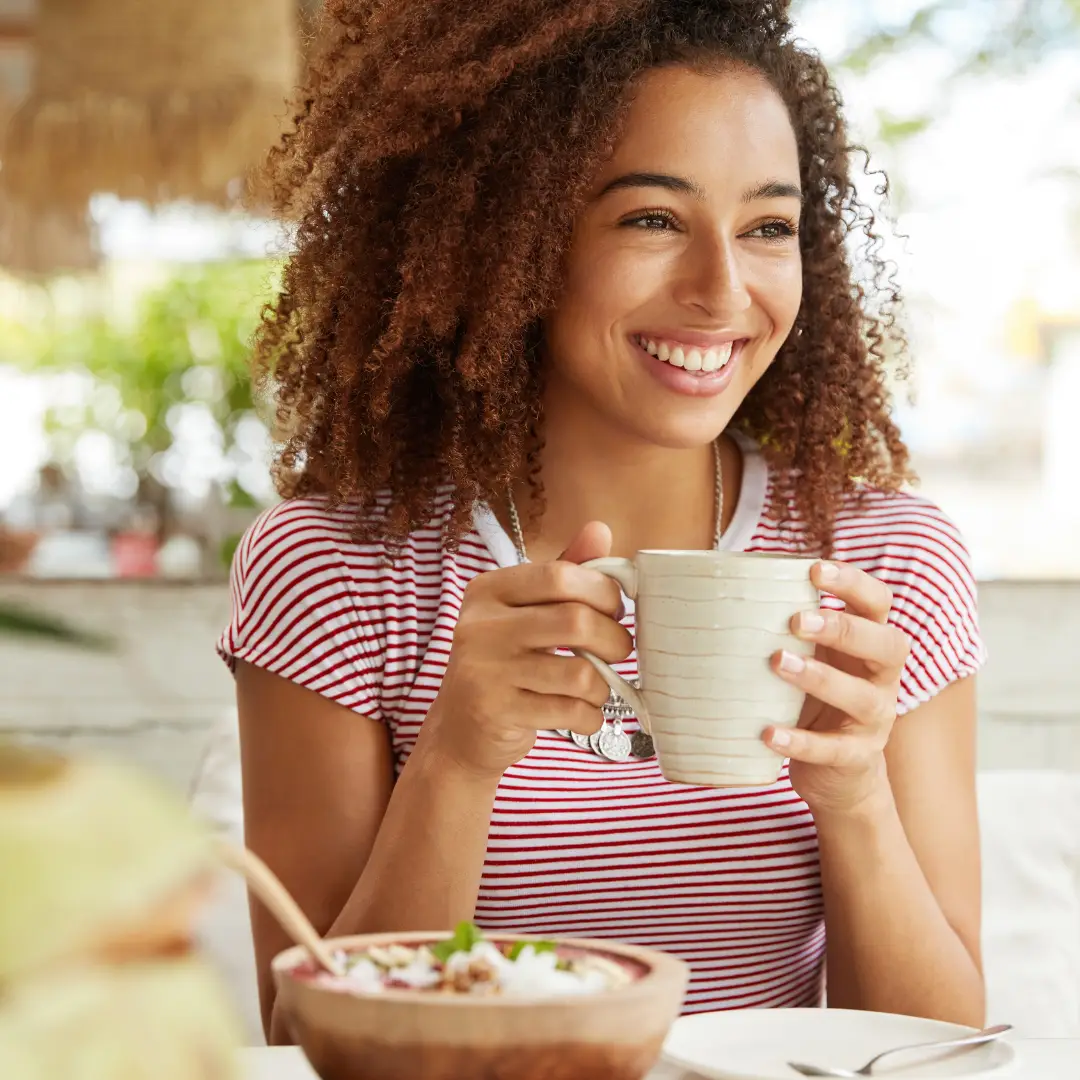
{"x": 611, "y": 742}
{"x": 718, "y": 528}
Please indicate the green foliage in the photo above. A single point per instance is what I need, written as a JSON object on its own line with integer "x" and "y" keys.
{"x": 979, "y": 37}
{"x": 22, "y": 622}
{"x": 998, "y": 36}
{"x": 189, "y": 341}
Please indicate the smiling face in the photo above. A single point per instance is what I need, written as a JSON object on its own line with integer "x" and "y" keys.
{"x": 684, "y": 275}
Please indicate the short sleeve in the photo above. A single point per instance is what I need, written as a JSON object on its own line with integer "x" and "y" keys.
{"x": 300, "y": 608}
{"x": 928, "y": 568}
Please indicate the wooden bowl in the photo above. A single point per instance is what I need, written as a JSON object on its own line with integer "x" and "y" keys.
{"x": 416, "y": 1035}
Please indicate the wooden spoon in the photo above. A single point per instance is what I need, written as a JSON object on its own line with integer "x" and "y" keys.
{"x": 264, "y": 883}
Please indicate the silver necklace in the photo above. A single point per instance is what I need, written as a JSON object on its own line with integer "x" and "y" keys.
{"x": 611, "y": 741}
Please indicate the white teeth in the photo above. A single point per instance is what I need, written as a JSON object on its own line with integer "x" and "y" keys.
{"x": 705, "y": 361}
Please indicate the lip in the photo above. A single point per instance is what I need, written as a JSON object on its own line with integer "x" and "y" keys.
{"x": 687, "y": 383}
{"x": 697, "y": 339}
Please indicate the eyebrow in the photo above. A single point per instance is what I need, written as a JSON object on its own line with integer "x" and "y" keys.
{"x": 770, "y": 189}
{"x": 679, "y": 184}
{"x": 773, "y": 189}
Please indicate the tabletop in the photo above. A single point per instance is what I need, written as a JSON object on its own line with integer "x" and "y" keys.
{"x": 1036, "y": 1059}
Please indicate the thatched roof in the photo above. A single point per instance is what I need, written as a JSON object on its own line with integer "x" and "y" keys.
{"x": 174, "y": 99}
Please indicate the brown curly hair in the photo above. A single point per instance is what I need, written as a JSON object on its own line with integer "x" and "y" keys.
{"x": 440, "y": 153}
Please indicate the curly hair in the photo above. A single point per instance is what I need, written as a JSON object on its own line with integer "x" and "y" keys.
{"x": 439, "y": 156}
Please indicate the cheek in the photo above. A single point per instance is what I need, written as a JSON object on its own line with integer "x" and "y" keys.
{"x": 780, "y": 293}
{"x": 601, "y": 286}
{"x": 604, "y": 282}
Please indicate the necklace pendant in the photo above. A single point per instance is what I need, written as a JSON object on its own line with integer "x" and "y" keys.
{"x": 580, "y": 740}
{"x": 614, "y": 743}
{"x": 594, "y": 740}
{"x": 641, "y": 745}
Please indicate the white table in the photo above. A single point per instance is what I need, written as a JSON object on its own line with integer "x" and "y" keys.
{"x": 1036, "y": 1059}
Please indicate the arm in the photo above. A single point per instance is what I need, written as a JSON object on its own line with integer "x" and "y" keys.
{"x": 362, "y": 853}
{"x": 901, "y": 878}
{"x": 359, "y": 853}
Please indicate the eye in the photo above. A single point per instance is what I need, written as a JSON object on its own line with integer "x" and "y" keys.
{"x": 652, "y": 220}
{"x": 776, "y": 231}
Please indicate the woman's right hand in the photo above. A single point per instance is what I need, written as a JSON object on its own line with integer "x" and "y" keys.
{"x": 502, "y": 681}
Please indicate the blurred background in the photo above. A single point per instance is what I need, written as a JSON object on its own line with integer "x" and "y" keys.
{"x": 129, "y": 443}
{"x": 133, "y": 455}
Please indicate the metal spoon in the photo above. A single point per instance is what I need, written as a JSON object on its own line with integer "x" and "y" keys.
{"x": 978, "y": 1039}
{"x": 265, "y": 885}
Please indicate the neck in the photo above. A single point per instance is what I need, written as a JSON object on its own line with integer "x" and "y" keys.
{"x": 650, "y": 496}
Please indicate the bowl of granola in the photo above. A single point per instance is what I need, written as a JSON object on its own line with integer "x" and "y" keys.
{"x": 501, "y": 1007}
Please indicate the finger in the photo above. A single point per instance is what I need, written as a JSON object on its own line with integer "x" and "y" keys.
{"x": 870, "y": 705}
{"x": 593, "y": 542}
{"x": 562, "y": 676}
{"x": 842, "y": 749}
{"x": 884, "y": 648}
{"x": 860, "y": 591}
{"x": 555, "y": 583}
{"x": 574, "y": 626}
{"x": 550, "y": 712}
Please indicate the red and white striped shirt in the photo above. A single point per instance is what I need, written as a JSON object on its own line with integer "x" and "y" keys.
{"x": 728, "y": 880}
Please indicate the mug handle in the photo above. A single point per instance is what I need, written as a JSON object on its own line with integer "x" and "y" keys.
{"x": 625, "y": 573}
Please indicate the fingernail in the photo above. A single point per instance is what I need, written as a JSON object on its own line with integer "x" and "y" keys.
{"x": 621, "y": 613}
{"x": 812, "y": 622}
{"x": 829, "y": 571}
{"x": 791, "y": 663}
{"x": 780, "y": 737}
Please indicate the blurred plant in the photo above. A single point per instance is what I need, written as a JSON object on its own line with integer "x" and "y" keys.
{"x": 974, "y": 37}
{"x": 22, "y": 622}
{"x": 186, "y": 348}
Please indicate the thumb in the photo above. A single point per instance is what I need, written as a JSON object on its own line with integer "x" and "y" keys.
{"x": 593, "y": 542}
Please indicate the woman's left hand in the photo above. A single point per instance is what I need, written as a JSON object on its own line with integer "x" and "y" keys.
{"x": 837, "y": 761}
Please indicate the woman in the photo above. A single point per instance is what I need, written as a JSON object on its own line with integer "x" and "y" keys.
{"x": 573, "y": 279}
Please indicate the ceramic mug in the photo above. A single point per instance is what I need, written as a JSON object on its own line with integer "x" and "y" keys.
{"x": 707, "y": 623}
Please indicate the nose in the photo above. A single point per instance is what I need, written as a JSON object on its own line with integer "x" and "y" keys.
{"x": 711, "y": 278}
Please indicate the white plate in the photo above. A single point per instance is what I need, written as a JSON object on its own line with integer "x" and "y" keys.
{"x": 757, "y": 1044}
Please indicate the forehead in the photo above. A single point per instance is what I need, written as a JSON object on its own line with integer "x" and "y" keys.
{"x": 727, "y": 128}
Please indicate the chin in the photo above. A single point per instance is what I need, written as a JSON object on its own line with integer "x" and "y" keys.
{"x": 685, "y": 435}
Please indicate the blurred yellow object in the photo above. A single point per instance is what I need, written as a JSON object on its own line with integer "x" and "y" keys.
{"x": 160, "y": 1020}
{"x": 88, "y": 848}
{"x": 103, "y": 873}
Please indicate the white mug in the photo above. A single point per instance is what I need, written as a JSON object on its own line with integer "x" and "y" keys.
{"x": 707, "y": 623}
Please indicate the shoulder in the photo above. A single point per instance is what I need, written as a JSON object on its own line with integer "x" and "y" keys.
{"x": 299, "y": 564}
{"x": 309, "y": 540}
{"x": 298, "y": 537}
{"x": 911, "y": 544}
{"x": 900, "y": 529}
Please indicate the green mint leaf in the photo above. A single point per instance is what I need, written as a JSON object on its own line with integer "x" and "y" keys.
{"x": 468, "y": 934}
{"x": 465, "y": 937}
{"x": 538, "y": 947}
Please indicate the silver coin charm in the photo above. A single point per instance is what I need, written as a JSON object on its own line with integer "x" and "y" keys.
{"x": 641, "y": 745}
{"x": 614, "y": 742}
{"x": 595, "y": 737}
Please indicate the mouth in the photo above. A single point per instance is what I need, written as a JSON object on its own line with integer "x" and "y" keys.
{"x": 701, "y": 362}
